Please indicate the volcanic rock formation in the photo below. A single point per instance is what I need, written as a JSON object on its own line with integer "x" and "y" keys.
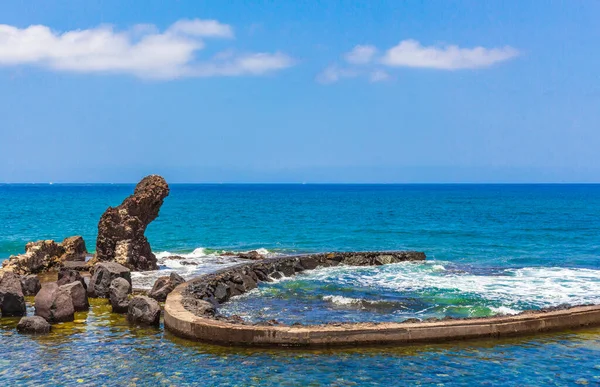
{"x": 121, "y": 229}
{"x": 46, "y": 255}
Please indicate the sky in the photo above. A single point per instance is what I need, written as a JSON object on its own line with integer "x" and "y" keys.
{"x": 336, "y": 91}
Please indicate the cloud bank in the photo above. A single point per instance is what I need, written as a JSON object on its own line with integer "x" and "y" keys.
{"x": 363, "y": 60}
{"x": 142, "y": 51}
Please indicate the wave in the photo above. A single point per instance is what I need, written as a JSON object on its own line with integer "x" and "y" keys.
{"x": 189, "y": 265}
{"x": 509, "y": 291}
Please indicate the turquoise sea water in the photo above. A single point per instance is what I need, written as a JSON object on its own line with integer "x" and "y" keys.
{"x": 491, "y": 249}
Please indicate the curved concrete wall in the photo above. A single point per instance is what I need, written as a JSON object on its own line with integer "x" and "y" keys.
{"x": 184, "y": 318}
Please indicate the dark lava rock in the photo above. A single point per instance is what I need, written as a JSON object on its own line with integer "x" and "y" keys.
{"x": 78, "y": 295}
{"x": 76, "y": 265}
{"x": 12, "y": 300}
{"x": 165, "y": 285}
{"x": 54, "y": 303}
{"x": 104, "y": 274}
{"x": 118, "y": 294}
{"x": 251, "y": 255}
{"x": 42, "y": 256}
{"x": 199, "y": 307}
{"x": 67, "y": 276}
{"x": 143, "y": 310}
{"x": 121, "y": 229}
{"x": 30, "y": 285}
{"x": 33, "y": 324}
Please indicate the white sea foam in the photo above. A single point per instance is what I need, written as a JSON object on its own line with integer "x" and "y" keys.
{"x": 504, "y": 310}
{"x": 189, "y": 265}
{"x": 537, "y": 286}
{"x": 341, "y": 300}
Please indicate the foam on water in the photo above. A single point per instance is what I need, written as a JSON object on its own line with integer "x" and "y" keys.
{"x": 189, "y": 265}
{"x": 408, "y": 290}
{"x": 535, "y": 286}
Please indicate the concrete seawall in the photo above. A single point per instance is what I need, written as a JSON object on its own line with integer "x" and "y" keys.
{"x": 185, "y": 319}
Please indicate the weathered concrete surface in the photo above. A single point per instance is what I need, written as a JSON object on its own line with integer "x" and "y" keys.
{"x": 189, "y": 311}
{"x": 185, "y": 324}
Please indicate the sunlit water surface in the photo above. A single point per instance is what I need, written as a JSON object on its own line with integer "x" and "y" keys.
{"x": 491, "y": 249}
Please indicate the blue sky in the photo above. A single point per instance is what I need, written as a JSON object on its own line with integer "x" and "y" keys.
{"x": 290, "y": 91}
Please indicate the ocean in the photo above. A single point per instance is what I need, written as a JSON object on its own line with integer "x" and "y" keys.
{"x": 490, "y": 249}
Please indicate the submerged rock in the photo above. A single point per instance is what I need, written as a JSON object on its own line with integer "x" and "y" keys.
{"x": 104, "y": 274}
{"x": 118, "y": 294}
{"x": 78, "y": 295}
{"x": 143, "y": 310}
{"x": 121, "y": 229}
{"x": 33, "y": 324}
{"x": 54, "y": 303}
{"x": 165, "y": 285}
{"x": 30, "y": 284}
{"x": 42, "y": 256}
{"x": 12, "y": 300}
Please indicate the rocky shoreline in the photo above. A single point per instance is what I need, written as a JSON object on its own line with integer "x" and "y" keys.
{"x": 121, "y": 247}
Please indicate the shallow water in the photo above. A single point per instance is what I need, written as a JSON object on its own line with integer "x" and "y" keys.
{"x": 501, "y": 247}
{"x": 100, "y": 348}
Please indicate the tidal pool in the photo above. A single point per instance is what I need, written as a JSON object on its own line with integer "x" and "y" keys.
{"x": 406, "y": 290}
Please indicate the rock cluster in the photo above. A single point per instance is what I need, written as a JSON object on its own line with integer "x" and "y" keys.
{"x": 121, "y": 229}
{"x": 103, "y": 275}
{"x": 46, "y": 255}
{"x": 12, "y": 300}
{"x": 58, "y": 301}
{"x": 165, "y": 285}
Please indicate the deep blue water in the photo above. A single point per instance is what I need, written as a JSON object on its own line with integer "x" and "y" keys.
{"x": 503, "y": 247}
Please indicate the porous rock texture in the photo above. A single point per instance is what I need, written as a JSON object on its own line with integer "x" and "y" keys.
{"x": 103, "y": 275}
{"x": 165, "y": 285}
{"x": 30, "y": 285}
{"x": 121, "y": 229}
{"x": 42, "y": 256}
{"x": 12, "y": 301}
{"x": 144, "y": 311}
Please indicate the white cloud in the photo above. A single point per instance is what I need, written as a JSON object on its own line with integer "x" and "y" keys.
{"x": 361, "y": 54}
{"x": 333, "y": 74}
{"x": 363, "y": 60}
{"x": 202, "y": 28}
{"x": 410, "y": 53}
{"x": 378, "y": 76}
{"x": 142, "y": 51}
